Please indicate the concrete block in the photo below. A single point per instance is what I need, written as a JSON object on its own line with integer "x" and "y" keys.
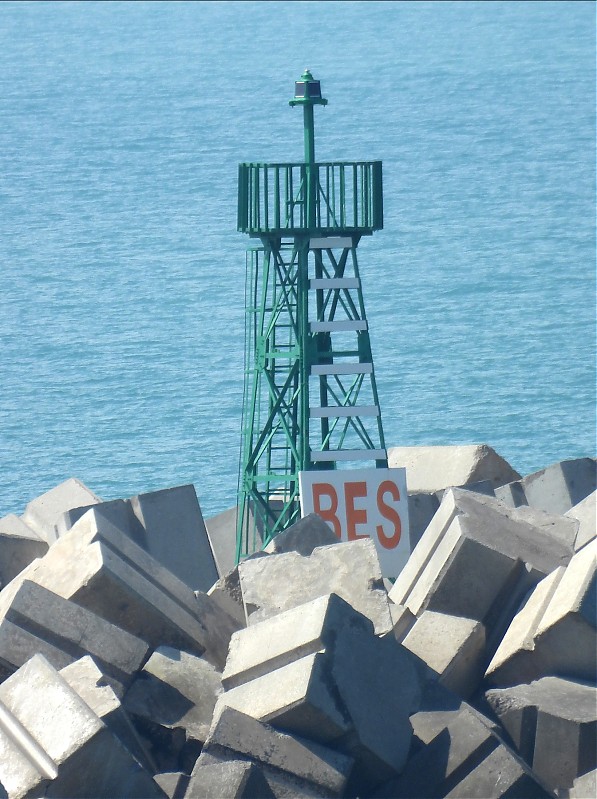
{"x": 34, "y": 619}
{"x": 85, "y": 677}
{"x": 227, "y": 594}
{"x": 421, "y": 510}
{"x": 43, "y": 513}
{"x": 379, "y": 687}
{"x": 431, "y": 469}
{"x": 168, "y": 524}
{"x": 477, "y": 559}
{"x": 53, "y": 744}
{"x": 233, "y": 779}
{"x": 585, "y": 513}
{"x": 402, "y": 621}
{"x": 464, "y": 759}
{"x": 282, "y": 639}
{"x": 554, "y": 631}
{"x": 221, "y": 530}
{"x": 172, "y": 703}
{"x": 174, "y": 784}
{"x": 296, "y": 698}
{"x": 19, "y": 546}
{"x": 235, "y": 736}
{"x": 453, "y": 646}
{"x": 555, "y": 489}
{"x": 585, "y": 786}
{"x": 553, "y": 724}
{"x": 99, "y": 567}
{"x": 303, "y": 537}
{"x": 276, "y": 583}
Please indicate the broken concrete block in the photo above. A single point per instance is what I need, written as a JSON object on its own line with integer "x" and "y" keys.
{"x": 19, "y": 546}
{"x": 303, "y": 537}
{"x": 477, "y": 559}
{"x": 168, "y": 524}
{"x": 453, "y": 646}
{"x": 553, "y": 724}
{"x": 555, "y": 489}
{"x": 33, "y": 619}
{"x": 464, "y": 759}
{"x": 276, "y": 583}
{"x": 43, "y": 513}
{"x": 99, "y": 567}
{"x": 430, "y": 469}
{"x": 87, "y": 680}
{"x": 303, "y": 702}
{"x": 313, "y": 768}
{"x": 282, "y": 639}
{"x": 554, "y": 631}
{"x": 585, "y": 513}
{"x": 233, "y": 779}
{"x": 53, "y": 744}
{"x": 172, "y": 703}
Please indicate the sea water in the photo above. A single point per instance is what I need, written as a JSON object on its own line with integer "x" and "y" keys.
{"x": 122, "y": 274}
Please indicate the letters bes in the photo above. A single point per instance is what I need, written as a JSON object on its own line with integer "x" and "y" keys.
{"x": 363, "y": 503}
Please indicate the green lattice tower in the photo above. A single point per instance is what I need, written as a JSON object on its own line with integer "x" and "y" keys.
{"x": 310, "y": 398}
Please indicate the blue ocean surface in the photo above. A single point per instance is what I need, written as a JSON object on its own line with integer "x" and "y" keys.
{"x": 122, "y": 274}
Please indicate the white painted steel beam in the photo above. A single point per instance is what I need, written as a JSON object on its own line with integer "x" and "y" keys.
{"x": 342, "y": 369}
{"x": 337, "y": 325}
{"x": 330, "y": 243}
{"x": 334, "y": 283}
{"x": 348, "y": 410}
{"x": 349, "y": 455}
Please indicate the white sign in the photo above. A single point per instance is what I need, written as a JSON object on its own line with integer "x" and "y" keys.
{"x": 362, "y": 503}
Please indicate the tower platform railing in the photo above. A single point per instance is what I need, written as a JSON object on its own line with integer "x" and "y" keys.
{"x": 272, "y": 198}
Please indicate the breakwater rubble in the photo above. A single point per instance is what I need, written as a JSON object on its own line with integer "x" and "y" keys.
{"x": 136, "y": 660}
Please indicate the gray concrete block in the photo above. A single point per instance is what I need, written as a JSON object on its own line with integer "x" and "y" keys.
{"x": 585, "y": 513}
{"x": 553, "y": 724}
{"x": 227, "y": 594}
{"x": 464, "y": 759}
{"x": 85, "y": 677}
{"x": 43, "y": 513}
{"x": 33, "y": 619}
{"x": 168, "y": 524}
{"x": 554, "y": 632}
{"x": 282, "y": 639}
{"x": 303, "y": 537}
{"x": 235, "y": 735}
{"x": 19, "y": 546}
{"x": 221, "y": 530}
{"x": 172, "y": 702}
{"x": 555, "y": 489}
{"x": 175, "y": 534}
{"x": 421, "y": 510}
{"x": 402, "y": 621}
{"x": 298, "y": 697}
{"x": 379, "y": 687}
{"x": 234, "y": 779}
{"x": 477, "y": 559}
{"x": 585, "y": 787}
{"x": 453, "y": 646}
{"x": 53, "y": 744}
{"x": 173, "y": 783}
{"x": 431, "y": 469}
{"x": 99, "y": 567}
{"x": 276, "y": 583}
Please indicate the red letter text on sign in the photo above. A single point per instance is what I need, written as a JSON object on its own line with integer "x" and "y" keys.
{"x": 388, "y": 512}
{"x": 354, "y": 515}
{"x": 327, "y": 514}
